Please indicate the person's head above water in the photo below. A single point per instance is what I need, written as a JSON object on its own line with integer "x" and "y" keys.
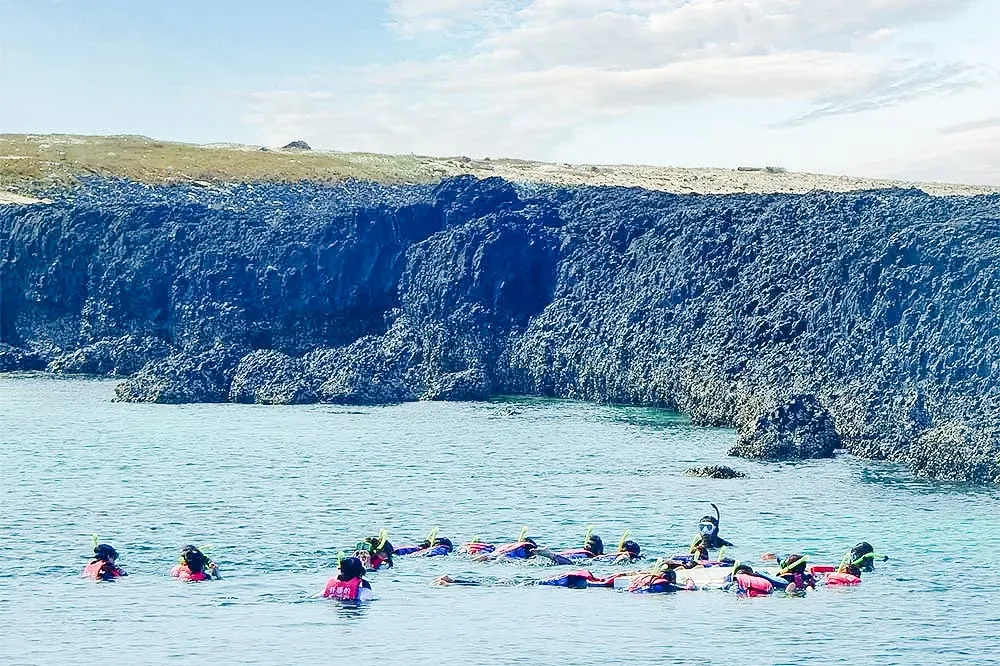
{"x": 351, "y": 568}
{"x": 708, "y": 525}
{"x": 106, "y": 553}
{"x": 594, "y": 545}
{"x": 195, "y": 560}
{"x": 631, "y": 547}
{"x": 444, "y": 542}
{"x": 743, "y": 569}
{"x": 794, "y": 563}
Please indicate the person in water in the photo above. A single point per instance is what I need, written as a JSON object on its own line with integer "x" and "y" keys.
{"x": 793, "y": 572}
{"x": 628, "y": 551}
{"x": 195, "y": 566}
{"x": 518, "y": 550}
{"x": 748, "y": 583}
{"x": 708, "y": 534}
{"x": 103, "y": 566}
{"x": 863, "y": 557}
{"x": 349, "y": 584}
{"x": 592, "y": 547}
{"x": 427, "y": 548}
{"x": 374, "y": 552}
{"x": 576, "y": 580}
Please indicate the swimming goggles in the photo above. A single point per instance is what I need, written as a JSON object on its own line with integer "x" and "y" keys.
{"x": 706, "y": 528}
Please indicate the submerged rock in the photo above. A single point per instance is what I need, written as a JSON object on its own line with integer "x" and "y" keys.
{"x": 715, "y": 472}
{"x": 798, "y": 428}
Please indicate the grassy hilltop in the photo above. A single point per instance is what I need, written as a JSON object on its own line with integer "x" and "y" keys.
{"x": 32, "y": 163}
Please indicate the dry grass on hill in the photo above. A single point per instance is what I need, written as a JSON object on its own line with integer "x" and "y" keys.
{"x": 33, "y": 163}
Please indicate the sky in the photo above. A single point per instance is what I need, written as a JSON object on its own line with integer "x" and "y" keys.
{"x": 882, "y": 88}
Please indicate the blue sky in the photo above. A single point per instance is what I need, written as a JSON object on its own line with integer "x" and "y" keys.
{"x": 890, "y": 88}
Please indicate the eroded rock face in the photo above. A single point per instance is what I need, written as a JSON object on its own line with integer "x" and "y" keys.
{"x": 798, "y": 428}
{"x": 118, "y": 357}
{"x": 14, "y": 358}
{"x": 183, "y": 378}
{"x": 268, "y": 377}
{"x": 879, "y": 304}
{"x": 959, "y": 452}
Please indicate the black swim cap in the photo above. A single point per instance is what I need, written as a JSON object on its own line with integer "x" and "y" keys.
{"x": 446, "y": 542}
{"x": 351, "y": 567}
{"x": 594, "y": 545}
{"x": 792, "y": 559}
{"x": 743, "y": 569}
{"x": 105, "y": 552}
{"x": 632, "y": 548}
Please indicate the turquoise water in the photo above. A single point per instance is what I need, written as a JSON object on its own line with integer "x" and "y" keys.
{"x": 278, "y": 491}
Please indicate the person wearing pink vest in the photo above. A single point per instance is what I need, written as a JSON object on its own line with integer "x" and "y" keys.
{"x": 349, "y": 584}
{"x": 103, "y": 566}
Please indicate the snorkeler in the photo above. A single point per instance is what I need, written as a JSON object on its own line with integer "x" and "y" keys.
{"x": 593, "y": 547}
{"x": 195, "y": 566}
{"x": 793, "y": 572}
{"x": 708, "y": 532}
{"x": 349, "y": 584}
{"x": 628, "y": 551}
{"x": 103, "y": 566}
{"x": 748, "y": 583}
{"x": 375, "y": 551}
{"x": 432, "y": 546}
{"x": 863, "y": 557}
{"x": 576, "y": 580}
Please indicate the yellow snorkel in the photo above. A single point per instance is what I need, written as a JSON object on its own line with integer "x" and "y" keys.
{"x": 523, "y": 535}
{"x": 621, "y": 542}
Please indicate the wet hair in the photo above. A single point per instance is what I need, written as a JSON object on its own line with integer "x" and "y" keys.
{"x": 853, "y": 570}
{"x": 791, "y": 559}
{"x": 446, "y": 542}
{"x": 670, "y": 575}
{"x": 632, "y": 548}
{"x": 594, "y": 545}
{"x": 743, "y": 569}
{"x": 105, "y": 552}
{"x": 195, "y": 560}
{"x": 351, "y": 568}
{"x": 710, "y": 519}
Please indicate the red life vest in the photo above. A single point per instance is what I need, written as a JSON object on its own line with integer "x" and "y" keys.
{"x": 183, "y": 572}
{"x": 754, "y": 586}
{"x": 344, "y": 590}
{"x": 842, "y": 578}
{"x": 99, "y": 570}
{"x": 376, "y": 562}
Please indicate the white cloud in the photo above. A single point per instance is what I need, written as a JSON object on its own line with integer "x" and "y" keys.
{"x": 539, "y": 69}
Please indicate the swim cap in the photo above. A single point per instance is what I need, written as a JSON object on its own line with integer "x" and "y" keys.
{"x": 594, "y": 545}
{"x": 632, "y": 548}
{"x": 351, "y": 567}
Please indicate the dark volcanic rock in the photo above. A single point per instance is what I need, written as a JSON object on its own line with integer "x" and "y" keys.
{"x": 183, "y": 378}
{"x": 715, "y": 472}
{"x": 465, "y": 385}
{"x": 798, "y": 428}
{"x": 297, "y": 145}
{"x": 268, "y": 377}
{"x": 117, "y": 357}
{"x": 880, "y": 304}
{"x": 959, "y": 452}
{"x": 13, "y": 358}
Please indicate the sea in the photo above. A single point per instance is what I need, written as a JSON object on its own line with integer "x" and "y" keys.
{"x": 275, "y": 493}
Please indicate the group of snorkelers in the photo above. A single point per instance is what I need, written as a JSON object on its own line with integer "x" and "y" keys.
{"x": 791, "y": 574}
{"x": 193, "y": 566}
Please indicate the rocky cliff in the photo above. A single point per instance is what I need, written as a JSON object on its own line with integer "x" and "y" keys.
{"x": 865, "y": 320}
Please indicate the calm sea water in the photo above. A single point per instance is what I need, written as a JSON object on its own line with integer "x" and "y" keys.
{"x": 278, "y": 491}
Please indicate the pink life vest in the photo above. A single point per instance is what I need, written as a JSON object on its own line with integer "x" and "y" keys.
{"x": 183, "y": 572}
{"x": 96, "y": 568}
{"x": 344, "y": 590}
{"x": 842, "y": 578}
{"x": 754, "y": 586}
